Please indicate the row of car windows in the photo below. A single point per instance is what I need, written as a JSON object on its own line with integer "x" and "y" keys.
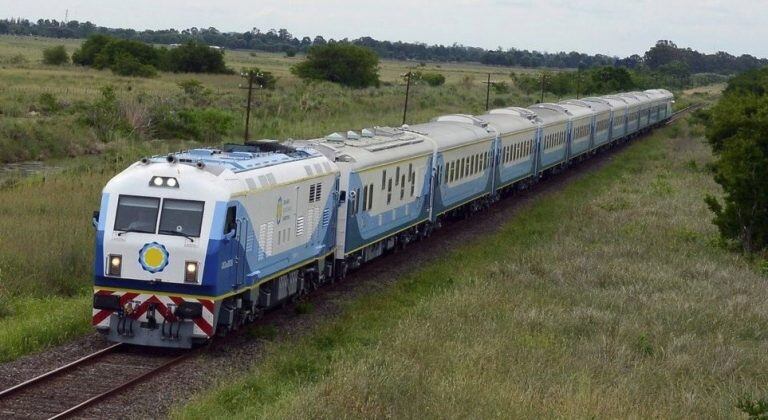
{"x": 516, "y": 151}
{"x": 404, "y": 181}
{"x": 553, "y": 140}
{"x": 582, "y": 131}
{"x": 465, "y": 167}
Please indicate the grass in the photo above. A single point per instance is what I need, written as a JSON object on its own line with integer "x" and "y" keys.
{"x": 30, "y": 323}
{"x": 609, "y": 298}
{"x": 294, "y": 110}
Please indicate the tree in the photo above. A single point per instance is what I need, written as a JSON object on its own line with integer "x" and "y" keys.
{"x": 195, "y": 57}
{"x": 342, "y": 63}
{"x": 737, "y": 130}
{"x": 86, "y": 54}
{"x": 55, "y": 56}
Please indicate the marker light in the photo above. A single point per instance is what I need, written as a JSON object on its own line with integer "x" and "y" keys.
{"x": 190, "y": 272}
{"x": 115, "y": 265}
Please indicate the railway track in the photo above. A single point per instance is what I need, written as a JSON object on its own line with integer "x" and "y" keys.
{"x": 67, "y": 390}
{"x": 679, "y": 114}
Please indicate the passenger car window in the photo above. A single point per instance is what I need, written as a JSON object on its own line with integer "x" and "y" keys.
{"x": 137, "y": 214}
{"x": 181, "y": 217}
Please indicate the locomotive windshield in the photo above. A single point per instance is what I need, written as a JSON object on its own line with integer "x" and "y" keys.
{"x": 181, "y": 217}
{"x": 136, "y": 214}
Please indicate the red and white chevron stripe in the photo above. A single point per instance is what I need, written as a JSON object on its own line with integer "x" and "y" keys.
{"x": 141, "y": 302}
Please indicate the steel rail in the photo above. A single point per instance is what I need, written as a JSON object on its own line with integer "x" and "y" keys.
{"x": 16, "y": 388}
{"x": 121, "y": 387}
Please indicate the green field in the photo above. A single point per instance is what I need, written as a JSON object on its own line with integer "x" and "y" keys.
{"x": 609, "y": 298}
{"x": 294, "y": 110}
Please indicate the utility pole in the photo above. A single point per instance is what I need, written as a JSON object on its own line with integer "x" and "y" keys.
{"x": 407, "y": 92}
{"x": 542, "y": 87}
{"x": 252, "y": 76}
{"x": 488, "y": 92}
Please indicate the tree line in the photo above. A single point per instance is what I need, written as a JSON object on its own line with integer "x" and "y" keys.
{"x": 664, "y": 53}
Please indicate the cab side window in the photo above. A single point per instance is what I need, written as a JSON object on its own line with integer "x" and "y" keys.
{"x": 230, "y": 222}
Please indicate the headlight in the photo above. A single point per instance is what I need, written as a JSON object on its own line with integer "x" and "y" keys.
{"x": 115, "y": 265}
{"x": 163, "y": 181}
{"x": 190, "y": 272}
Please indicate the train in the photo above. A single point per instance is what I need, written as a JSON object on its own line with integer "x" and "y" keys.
{"x": 195, "y": 244}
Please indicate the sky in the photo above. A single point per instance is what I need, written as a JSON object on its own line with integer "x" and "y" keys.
{"x": 616, "y": 28}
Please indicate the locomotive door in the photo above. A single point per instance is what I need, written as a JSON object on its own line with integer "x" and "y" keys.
{"x": 230, "y": 246}
{"x": 241, "y": 243}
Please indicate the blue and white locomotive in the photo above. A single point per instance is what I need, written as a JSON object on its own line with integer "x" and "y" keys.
{"x": 200, "y": 242}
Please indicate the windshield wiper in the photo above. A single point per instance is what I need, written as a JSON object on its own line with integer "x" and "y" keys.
{"x": 174, "y": 233}
{"x": 123, "y": 232}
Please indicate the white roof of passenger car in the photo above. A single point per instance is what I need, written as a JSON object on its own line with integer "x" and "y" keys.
{"x": 595, "y": 104}
{"x": 510, "y": 120}
{"x": 373, "y": 146}
{"x": 451, "y": 131}
{"x": 577, "y": 109}
{"x": 551, "y": 113}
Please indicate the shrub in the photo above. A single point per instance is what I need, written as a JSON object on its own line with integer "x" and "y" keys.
{"x": 86, "y": 54}
{"x": 48, "y": 103}
{"x": 500, "y": 88}
{"x": 433, "y": 79}
{"x": 342, "y": 63}
{"x": 195, "y": 57}
{"x": 208, "y": 125}
{"x": 55, "y": 56}
{"x": 104, "y": 115}
{"x": 126, "y": 64}
{"x": 18, "y": 60}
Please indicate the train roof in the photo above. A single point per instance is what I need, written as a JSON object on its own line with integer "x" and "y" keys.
{"x": 577, "y": 109}
{"x": 551, "y": 113}
{"x": 631, "y": 99}
{"x": 372, "y": 146}
{"x": 617, "y": 101}
{"x": 659, "y": 94}
{"x": 510, "y": 120}
{"x": 241, "y": 157}
{"x": 449, "y": 131}
{"x": 595, "y": 104}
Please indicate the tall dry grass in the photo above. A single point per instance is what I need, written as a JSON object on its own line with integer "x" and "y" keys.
{"x": 610, "y": 298}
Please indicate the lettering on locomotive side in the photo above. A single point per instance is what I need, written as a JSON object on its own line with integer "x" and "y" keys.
{"x": 227, "y": 264}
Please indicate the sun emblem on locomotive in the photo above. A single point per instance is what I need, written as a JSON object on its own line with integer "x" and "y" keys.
{"x": 153, "y": 257}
